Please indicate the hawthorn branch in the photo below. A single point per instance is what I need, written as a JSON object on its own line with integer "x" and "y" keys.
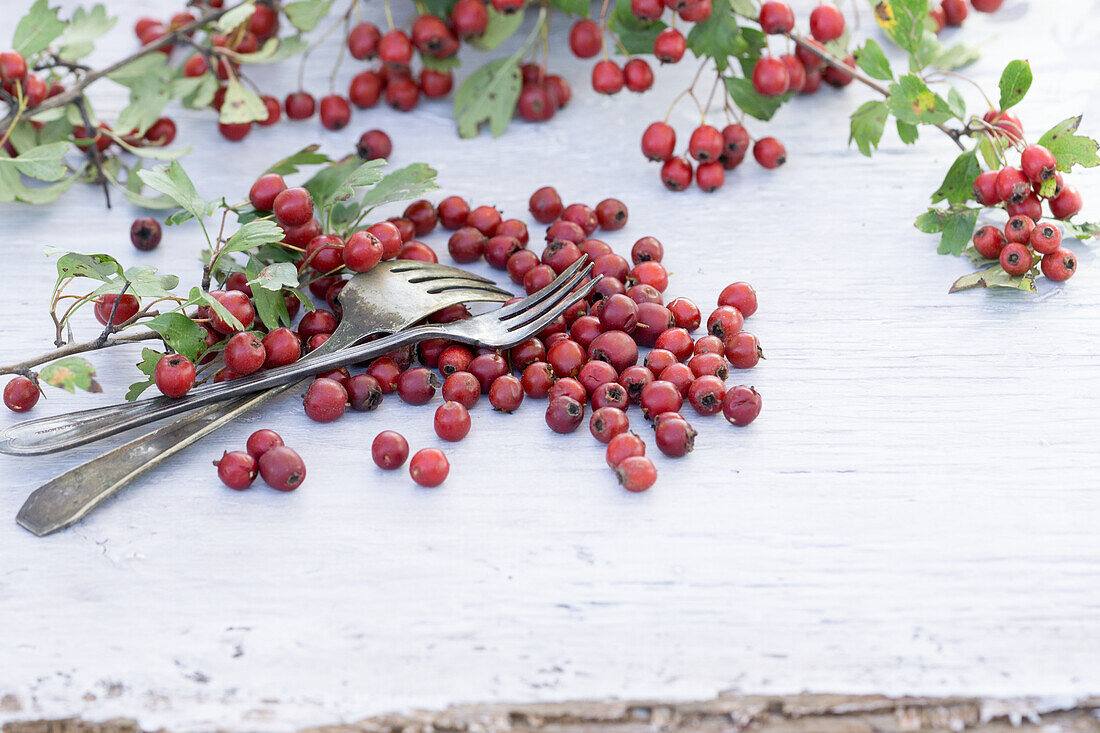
{"x": 24, "y": 367}
{"x": 856, "y": 73}
{"x": 93, "y": 151}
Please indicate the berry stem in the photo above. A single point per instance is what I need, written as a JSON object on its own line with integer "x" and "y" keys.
{"x": 23, "y": 367}
{"x": 93, "y": 152}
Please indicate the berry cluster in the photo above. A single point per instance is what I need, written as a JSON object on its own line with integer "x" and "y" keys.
{"x": 280, "y": 467}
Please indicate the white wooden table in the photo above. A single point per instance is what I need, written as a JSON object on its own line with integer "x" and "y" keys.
{"x": 915, "y": 511}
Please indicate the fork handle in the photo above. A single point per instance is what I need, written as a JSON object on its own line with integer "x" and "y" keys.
{"x": 61, "y": 432}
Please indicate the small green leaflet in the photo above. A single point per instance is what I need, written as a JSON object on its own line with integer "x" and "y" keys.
{"x": 1070, "y": 149}
{"x": 500, "y": 28}
{"x": 958, "y": 185}
{"x": 276, "y": 276}
{"x": 990, "y": 152}
{"x": 636, "y": 35}
{"x": 195, "y": 92}
{"x": 956, "y": 226}
{"x": 37, "y": 29}
{"x": 1081, "y": 230}
{"x": 144, "y": 281}
{"x": 488, "y": 95}
{"x": 253, "y": 234}
{"x": 74, "y": 264}
{"x": 994, "y": 277}
{"x": 241, "y": 105}
{"x": 23, "y": 137}
{"x": 366, "y": 174}
{"x": 236, "y": 16}
{"x": 325, "y": 181}
{"x": 956, "y": 103}
{"x": 270, "y": 304}
{"x": 912, "y": 101}
{"x": 873, "y": 61}
{"x": 42, "y": 162}
{"x": 431, "y": 62}
{"x": 198, "y": 296}
{"x": 750, "y": 101}
{"x": 180, "y": 333}
{"x": 273, "y": 51}
{"x": 148, "y": 78}
{"x": 904, "y": 21}
{"x": 573, "y": 7}
{"x": 306, "y": 156}
{"x": 868, "y": 123}
{"x": 154, "y": 153}
{"x": 956, "y": 56}
{"x": 718, "y": 37}
{"x": 70, "y": 374}
{"x": 442, "y": 8}
{"x": 407, "y": 183}
{"x": 1015, "y": 81}
{"x": 172, "y": 181}
{"x": 84, "y": 28}
{"x": 146, "y": 366}
{"x": 306, "y": 14}
{"x": 745, "y": 8}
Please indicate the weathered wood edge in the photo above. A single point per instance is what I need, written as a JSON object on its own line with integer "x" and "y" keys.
{"x": 820, "y": 713}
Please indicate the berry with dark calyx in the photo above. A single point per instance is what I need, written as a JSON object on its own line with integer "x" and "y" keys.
{"x": 610, "y": 394}
{"x": 506, "y": 393}
{"x": 676, "y": 174}
{"x": 770, "y": 77}
{"x": 607, "y": 77}
{"x": 826, "y": 23}
{"x": 619, "y": 313}
{"x": 244, "y": 353}
{"x": 1065, "y": 204}
{"x": 366, "y": 89}
{"x": 706, "y": 144}
{"x": 364, "y": 392}
{"x": 710, "y": 176}
{"x": 1045, "y": 238}
{"x": 1038, "y": 163}
{"x": 21, "y": 394}
{"x": 634, "y": 379}
{"x": 669, "y": 46}
{"x": 616, "y": 348}
{"x": 989, "y": 241}
{"x": 1030, "y": 207}
{"x": 282, "y": 468}
{"x": 696, "y": 11}
{"x": 469, "y": 18}
{"x": 638, "y": 75}
{"x": 402, "y": 94}
{"x": 429, "y": 467}
{"x": 545, "y": 205}
{"x": 1019, "y": 228}
{"x": 985, "y": 189}
{"x": 1059, "y": 184}
{"x": 611, "y": 214}
{"x": 1059, "y": 265}
{"x": 395, "y": 49}
{"x": 293, "y": 207}
{"x": 417, "y": 386}
{"x": 362, "y": 251}
{"x": 647, "y": 249}
{"x": 299, "y": 106}
{"x": 325, "y": 400}
{"x": 647, "y": 10}
{"x": 1012, "y": 185}
{"x": 724, "y": 322}
{"x": 499, "y": 249}
{"x": 1016, "y": 258}
{"x": 659, "y": 142}
{"x": 261, "y": 442}
{"x": 702, "y": 365}
{"x": 265, "y": 189}
{"x": 776, "y": 18}
{"x": 769, "y": 152}
{"x": 636, "y": 473}
{"x": 564, "y": 414}
{"x": 335, "y": 112}
{"x": 535, "y": 103}
{"x": 585, "y": 38}
{"x": 432, "y": 37}
{"x": 174, "y": 375}
{"x": 537, "y": 379}
{"x": 452, "y": 421}
{"x": 237, "y": 469}
{"x": 743, "y": 350}
{"x": 675, "y": 437}
{"x": 660, "y": 396}
{"x": 145, "y": 233}
{"x": 741, "y": 405}
{"x": 608, "y": 422}
{"x": 568, "y": 387}
{"x": 706, "y": 394}
{"x": 622, "y": 447}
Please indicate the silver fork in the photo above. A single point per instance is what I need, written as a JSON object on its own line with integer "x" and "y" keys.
{"x": 496, "y": 329}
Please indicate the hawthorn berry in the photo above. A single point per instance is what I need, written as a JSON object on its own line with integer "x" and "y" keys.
{"x": 674, "y": 437}
{"x": 145, "y": 233}
{"x": 989, "y": 241}
{"x": 743, "y": 350}
{"x": 1038, "y": 163}
{"x": 650, "y": 273}
{"x": 282, "y": 468}
{"x": 954, "y": 12}
{"x": 402, "y": 94}
{"x": 535, "y": 103}
{"x": 325, "y": 253}
{"x": 622, "y": 447}
{"x": 234, "y": 131}
{"x": 127, "y": 308}
{"x": 1019, "y": 228}
{"x": 647, "y": 10}
{"x": 696, "y": 11}
{"x": 709, "y": 344}
{"x": 676, "y": 174}
{"x": 1059, "y": 265}
{"x": 987, "y": 6}
{"x": 659, "y": 142}
{"x": 706, "y": 394}
{"x": 244, "y": 353}
{"x": 545, "y": 205}
{"x": 607, "y": 423}
{"x": 770, "y": 77}
{"x": 21, "y": 394}
{"x": 13, "y": 66}
{"x": 452, "y": 421}
{"x": 653, "y": 320}
{"x": 1045, "y": 238}
{"x": 702, "y": 365}
{"x": 325, "y": 400}
{"x": 265, "y": 189}
{"x": 564, "y": 414}
{"x": 174, "y": 375}
{"x": 741, "y": 405}
{"x": 677, "y": 341}
{"x": 669, "y": 46}
{"x": 706, "y": 144}
{"x": 616, "y": 348}
{"x": 585, "y": 38}
{"x": 299, "y": 106}
{"x": 293, "y": 206}
{"x": 1004, "y": 124}
{"x": 660, "y": 396}
{"x": 1030, "y": 207}
{"x": 826, "y": 23}
{"x": 638, "y": 75}
{"x": 160, "y": 133}
{"x": 429, "y": 466}
{"x": 1066, "y": 204}
{"x": 1012, "y": 185}
{"x": 362, "y": 251}
{"x": 769, "y": 152}
{"x": 335, "y": 112}
{"x": 985, "y": 189}
{"x": 469, "y": 18}
{"x": 710, "y": 176}
{"x": 607, "y": 77}
{"x": 1016, "y": 258}
{"x": 636, "y": 473}
{"x": 237, "y": 469}
{"x": 776, "y": 18}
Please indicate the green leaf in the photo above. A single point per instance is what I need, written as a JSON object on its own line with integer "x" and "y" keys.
{"x": 873, "y": 61}
{"x": 253, "y": 234}
{"x": 958, "y": 185}
{"x": 500, "y": 28}
{"x": 718, "y": 37}
{"x": 956, "y": 56}
{"x": 42, "y": 162}
{"x": 904, "y": 21}
{"x": 270, "y": 304}
{"x": 235, "y": 17}
{"x": 37, "y": 29}
{"x": 573, "y": 7}
{"x": 85, "y": 26}
{"x": 1081, "y": 230}
{"x": 292, "y": 164}
{"x": 750, "y": 101}
{"x": 146, "y": 366}
{"x": 182, "y": 335}
{"x": 908, "y": 132}
{"x": 74, "y": 264}
{"x": 306, "y": 14}
{"x": 442, "y": 8}
{"x": 407, "y": 183}
{"x": 994, "y": 277}
{"x": 912, "y": 101}
{"x": 636, "y": 35}
{"x": 195, "y": 92}
{"x": 956, "y": 103}
{"x": 276, "y": 276}
{"x": 154, "y": 153}
{"x": 431, "y": 62}
{"x": 241, "y": 104}
{"x": 198, "y": 296}
{"x": 70, "y": 374}
{"x": 930, "y": 222}
{"x": 988, "y": 149}
{"x": 745, "y": 8}
{"x": 366, "y": 174}
{"x": 273, "y": 51}
{"x": 172, "y": 181}
{"x": 149, "y": 79}
{"x": 324, "y": 182}
{"x": 868, "y": 123}
{"x": 1070, "y": 149}
{"x": 144, "y": 281}
{"x": 1015, "y": 81}
{"x": 41, "y": 195}
{"x": 488, "y": 95}
{"x": 956, "y": 226}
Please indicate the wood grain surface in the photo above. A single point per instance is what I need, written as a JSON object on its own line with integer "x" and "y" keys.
{"x": 914, "y": 513}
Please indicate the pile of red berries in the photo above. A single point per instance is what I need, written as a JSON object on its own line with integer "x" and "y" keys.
{"x": 280, "y": 467}
{"x": 1022, "y": 191}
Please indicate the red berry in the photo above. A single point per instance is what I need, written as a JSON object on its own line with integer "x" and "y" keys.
{"x": 638, "y": 75}
{"x": 826, "y": 23}
{"x": 293, "y": 207}
{"x": 653, "y": 320}
{"x": 709, "y": 344}
{"x": 743, "y": 350}
{"x": 363, "y": 41}
{"x": 566, "y": 357}
{"x": 486, "y": 368}
{"x": 160, "y": 133}
{"x": 174, "y": 375}
{"x": 741, "y": 405}
{"x": 429, "y": 467}
{"x": 796, "y": 73}
{"x": 769, "y": 152}
{"x": 1012, "y": 185}
{"x": 607, "y": 77}
{"x": 537, "y": 379}
{"x": 283, "y": 469}
{"x": 325, "y": 400}
{"x": 1045, "y": 238}
{"x": 335, "y": 112}
{"x": 545, "y": 205}
{"x": 299, "y": 106}
{"x": 619, "y": 313}
{"x": 432, "y": 37}
{"x": 244, "y": 353}
{"x": 237, "y": 470}
{"x": 776, "y": 17}
{"x": 616, "y": 348}
{"x": 1065, "y": 204}
{"x": 564, "y": 414}
{"x": 650, "y": 273}
{"x": 607, "y": 423}
{"x": 13, "y": 66}
{"x": 724, "y": 322}
{"x": 622, "y": 447}
{"x": 261, "y": 442}
{"x": 395, "y": 49}
{"x": 452, "y": 421}
{"x": 710, "y": 176}
{"x": 234, "y": 132}
{"x": 985, "y": 189}
{"x": 659, "y": 142}
{"x": 485, "y": 219}
{"x": 453, "y": 210}
{"x": 145, "y": 233}
{"x": 676, "y": 174}
{"x": 417, "y": 386}
{"x": 1059, "y": 265}
{"x": 1019, "y": 228}
{"x": 506, "y": 393}
{"x": 362, "y": 251}
{"x": 535, "y": 103}
{"x": 325, "y": 253}
{"x": 507, "y": 7}
{"x": 402, "y": 94}
{"x": 265, "y": 189}
{"x": 679, "y": 376}
{"x": 1016, "y": 258}
{"x": 706, "y": 394}
{"x": 463, "y": 388}
{"x": 636, "y": 473}
{"x": 702, "y": 365}
{"x": 669, "y": 46}
{"x": 1038, "y": 163}
{"x": 770, "y": 77}
{"x": 469, "y": 18}
{"x": 706, "y": 144}
{"x": 316, "y": 322}
{"x": 987, "y": 6}
{"x": 499, "y": 249}
{"x": 366, "y": 89}
{"x": 989, "y": 241}
{"x": 674, "y": 437}
{"x": 585, "y": 38}
{"x": 1030, "y": 207}
{"x": 696, "y": 11}
{"x": 660, "y": 396}
{"x": 21, "y": 394}
{"x": 1005, "y": 125}
{"x": 954, "y": 12}
{"x": 835, "y": 77}
{"x": 739, "y": 295}
{"x": 647, "y": 10}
